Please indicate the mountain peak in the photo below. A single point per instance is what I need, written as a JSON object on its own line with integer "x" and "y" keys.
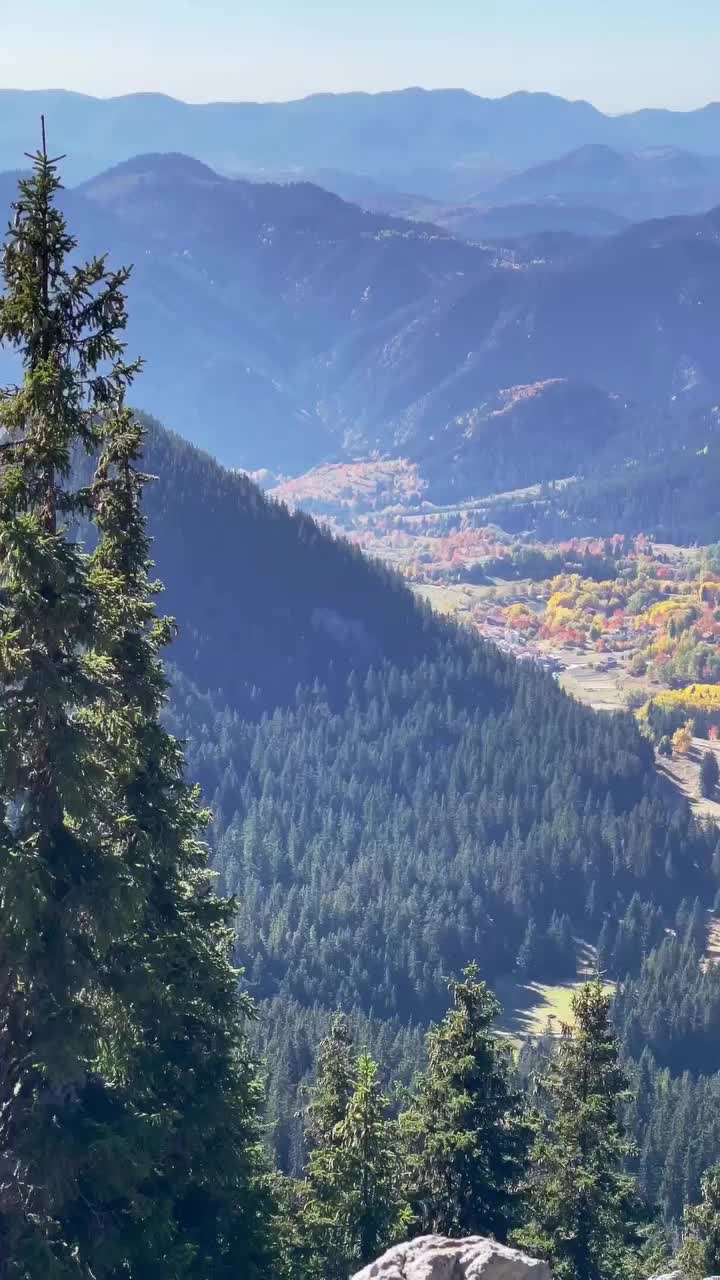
{"x": 158, "y": 164}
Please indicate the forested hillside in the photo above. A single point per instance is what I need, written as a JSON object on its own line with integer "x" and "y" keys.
{"x": 661, "y": 479}
{"x": 392, "y": 796}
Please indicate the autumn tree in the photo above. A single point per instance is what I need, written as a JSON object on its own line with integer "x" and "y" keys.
{"x": 682, "y": 739}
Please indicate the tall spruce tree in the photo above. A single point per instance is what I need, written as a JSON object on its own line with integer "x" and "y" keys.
{"x": 584, "y": 1208}
{"x": 190, "y": 1064}
{"x": 128, "y": 1107}
{"x": 331, "y": 1094}
{"x": 355, "y": 1205}
{"x": 700, "y": 1249}
{"x": 63, "y": 895}
{"x": 465, "y": 1131}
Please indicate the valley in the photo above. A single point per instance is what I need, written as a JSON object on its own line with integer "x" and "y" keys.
{"x": 616, "y": 621}
{"x": 616, "y": 618}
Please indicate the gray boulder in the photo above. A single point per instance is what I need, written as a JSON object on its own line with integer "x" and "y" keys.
{"x": 437, "y": 1258}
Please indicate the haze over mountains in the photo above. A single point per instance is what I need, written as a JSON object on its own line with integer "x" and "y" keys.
{"x": 410, "y": 132}
{"x": 283, "y": 326}
{"x": 493, "y": 289}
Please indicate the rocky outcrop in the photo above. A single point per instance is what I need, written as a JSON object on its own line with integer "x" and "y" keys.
{"x": 437, "y": 1258}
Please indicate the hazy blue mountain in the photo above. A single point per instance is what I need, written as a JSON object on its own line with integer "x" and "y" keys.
{"x": 655, "y": 182}
{"x": 283, "y": 326}
{"x": 243, "y": 294}
{"x": 477, "y": 219}
{"x": 412, "y": 132}
{"x": 524, "y": 218}
{"x": 368, "y": 192}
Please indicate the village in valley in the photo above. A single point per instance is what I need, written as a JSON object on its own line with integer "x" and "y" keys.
{"x": 620, "y": 622}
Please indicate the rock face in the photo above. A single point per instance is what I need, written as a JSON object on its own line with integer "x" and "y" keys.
{"x": 437, "y": 1258}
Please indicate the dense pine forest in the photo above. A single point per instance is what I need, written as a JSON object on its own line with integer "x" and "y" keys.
{"x": 267, "y": 1047}
{"x": 380, "y": 827}
{"x": 669, "y": 492}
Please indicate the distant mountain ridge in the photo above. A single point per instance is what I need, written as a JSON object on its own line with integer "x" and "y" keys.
{"x": 284, "y": 327}
{"x": 654, "y": 182}
{"x": 407, "y": 131}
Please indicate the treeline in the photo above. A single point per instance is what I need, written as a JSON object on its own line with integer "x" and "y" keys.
{"x": 538, "y": 563}
{"x": 609, "y": 1171}
{"x": 670, "y": 495}
{"x": 458, "y": 1152}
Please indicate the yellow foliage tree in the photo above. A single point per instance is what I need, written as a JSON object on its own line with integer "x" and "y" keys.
{"x": 682, "y": 738}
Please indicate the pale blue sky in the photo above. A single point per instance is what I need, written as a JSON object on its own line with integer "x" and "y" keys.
{"x": 619, "y": 54}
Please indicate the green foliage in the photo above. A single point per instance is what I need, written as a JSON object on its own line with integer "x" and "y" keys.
{"x": 584, "y": 1208}
{"x": 464, "y": 1128}
{"x": 331, "y": 1095}
{"x": 700, "y": 1250}
{"x": 709, "y": 775}
{"x": 378, "y": 843}
{"x": 128, "y": 1099}
{"x": 192, "y": 1062}
{"x": 672, "y": 1007}
{"x": 393, "y": 816}
{"x": 72, "y": 1142}
{"x": 355, "y": 1203}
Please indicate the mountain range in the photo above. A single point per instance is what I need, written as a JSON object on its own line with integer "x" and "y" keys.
{"x": 651, "y": 183}
{"x": 411, "y": 132}
{"x": 283, "y": 326}
{"x": 592, "y": 190}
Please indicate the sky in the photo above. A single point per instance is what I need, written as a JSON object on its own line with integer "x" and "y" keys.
{"x": 618, "y": 54}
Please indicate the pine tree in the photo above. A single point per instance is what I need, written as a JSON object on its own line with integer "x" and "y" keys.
{"x": 70, "y": 1141}
{"x": 355, "y": 1206}
{"x": 529, "y": 954}
{"x": 191, "y": 1062}
{"x": 128, "y": 1105}
{"x": 331, "y": 1094}
{"x": 709, "y": 775}
{"x": 700, "y": 1249}
{"x": 584, "y": 1208}
{"x": 466, "y": 1135}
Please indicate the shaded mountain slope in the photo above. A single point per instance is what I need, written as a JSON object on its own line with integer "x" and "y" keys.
{"x": 284, "y": 327}
{"x": 266, "y": 601}
{"x": 656, "y": 182}
{"x": 393, "y": 797}
{"x": 376, "y": 332}
{"x": 522, "y": 436}
{"x": 504, "y": 221}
